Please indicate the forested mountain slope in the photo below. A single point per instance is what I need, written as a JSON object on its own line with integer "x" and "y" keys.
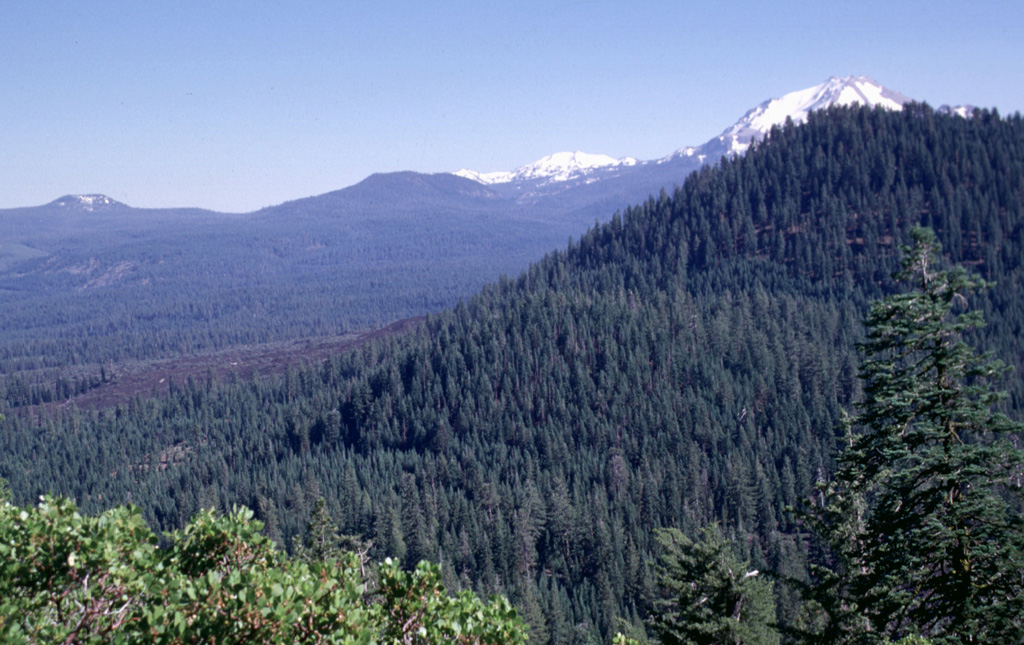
{"x": 89, "y": 282}
{"x": 685, "y": 363}
{"x": 98, "y": 282}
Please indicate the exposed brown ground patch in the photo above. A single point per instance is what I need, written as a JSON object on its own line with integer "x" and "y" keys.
{"x": 155, "y": 377}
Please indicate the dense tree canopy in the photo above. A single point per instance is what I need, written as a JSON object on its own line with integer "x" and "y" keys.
{"x": 684, "y": 364}
{"x": 925, "y": 511}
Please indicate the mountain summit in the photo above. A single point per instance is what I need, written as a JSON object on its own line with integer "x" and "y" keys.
{"x": 566, "y": 166}
{"x": 88, "y": 203}
{"x": 561, "y": 166}
{"x": 851, "y": 90}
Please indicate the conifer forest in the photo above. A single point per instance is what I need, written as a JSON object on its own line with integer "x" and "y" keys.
{"x": 781, "y": 403}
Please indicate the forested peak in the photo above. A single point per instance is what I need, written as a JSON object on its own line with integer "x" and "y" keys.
{"x": 825, "y": 201}
{"x": 383, "y": 183}
{"x": 400, "y": 190}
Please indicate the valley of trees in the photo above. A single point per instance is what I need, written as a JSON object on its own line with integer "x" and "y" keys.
{"x": 688, "y": 364}
{"x": 85, "y": 288}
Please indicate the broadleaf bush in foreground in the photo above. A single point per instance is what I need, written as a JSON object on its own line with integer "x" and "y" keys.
{"x": 73, "y": 578}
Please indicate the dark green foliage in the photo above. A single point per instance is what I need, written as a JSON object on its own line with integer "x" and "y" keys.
{"x": 919, "y": 520}
{"x": 322, "y": 539}
{"x": 684, "y": 364}
{"x": 707, "y": 595}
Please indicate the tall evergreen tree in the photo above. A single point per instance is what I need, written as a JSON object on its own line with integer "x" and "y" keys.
{"x": 922, "y": 516}
{"x": 708, "y": 595}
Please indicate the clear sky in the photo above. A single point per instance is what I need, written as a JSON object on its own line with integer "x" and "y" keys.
{"x": 234, "y": 105}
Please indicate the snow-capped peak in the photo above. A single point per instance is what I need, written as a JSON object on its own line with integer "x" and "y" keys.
{"x": 560, "y": 166}
{"x": 86, "y": 202}
{"x": 850, "y": 90}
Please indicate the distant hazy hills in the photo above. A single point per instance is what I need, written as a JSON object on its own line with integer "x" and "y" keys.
{"x": 566, "y": 191}
{"x": 392, "y": 246}
{"x": 582, "y": 181}
{"x": 564, "y": 171}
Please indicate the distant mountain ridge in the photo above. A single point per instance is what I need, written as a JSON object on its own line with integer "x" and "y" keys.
{"x": 568, "y": 166}
{"x": 560, "y": 166}
{"x": 561, "y": 173}
{"x": 583, "y": 186}
{"x": 395, "y": 245}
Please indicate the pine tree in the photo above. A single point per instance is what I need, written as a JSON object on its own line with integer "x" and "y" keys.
{"x": 321, "y": 539}
{"x": 921, "y": 516}
{"x": 707, "y": 593}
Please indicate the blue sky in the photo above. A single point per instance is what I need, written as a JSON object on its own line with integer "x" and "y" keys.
{"x": 237, "y": 105}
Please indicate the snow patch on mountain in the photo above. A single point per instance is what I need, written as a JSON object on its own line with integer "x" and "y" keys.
{"x": 561, "y": 166}
{"x": 850, "y": 90}
{"x": 965, "y": 111}
{"x": 86, "y": 202}
{"x": 755, "y": 124}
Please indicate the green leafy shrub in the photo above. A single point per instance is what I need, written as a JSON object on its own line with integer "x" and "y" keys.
{"x": 67, "y": 577}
